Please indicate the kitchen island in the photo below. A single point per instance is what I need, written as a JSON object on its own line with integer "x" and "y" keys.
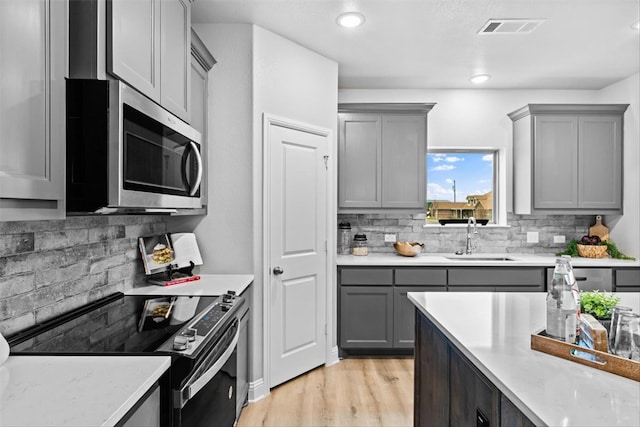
{"x": 474, "y": 363}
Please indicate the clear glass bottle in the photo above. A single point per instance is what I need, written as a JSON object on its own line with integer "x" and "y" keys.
{"x": 344, "y": 238}
{"x": 561, "y": 304}
{"x": 575, "y": 291}
{"x": 360, "y": 245}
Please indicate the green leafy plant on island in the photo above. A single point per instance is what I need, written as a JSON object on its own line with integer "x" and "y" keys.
{"x": 612, "y": 249}
{"x": 598, "y": 304}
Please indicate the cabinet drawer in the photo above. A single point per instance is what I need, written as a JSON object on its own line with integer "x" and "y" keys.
{"x": 488, "y": 276}
{"x": 627, "y": 280}
{"x": 630, "y": 277}
{"x": 366, "y": 276}
{"x": 421, "y": 276}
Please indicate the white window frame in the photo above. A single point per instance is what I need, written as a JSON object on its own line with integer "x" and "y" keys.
{"x": 499, "y": 181}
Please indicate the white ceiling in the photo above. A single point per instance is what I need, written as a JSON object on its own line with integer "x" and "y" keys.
{"x": 582, "y": 44}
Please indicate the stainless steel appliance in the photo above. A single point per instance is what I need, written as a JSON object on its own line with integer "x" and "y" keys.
{"x": 201, "y": 334}
{"x": 126, "y": 152}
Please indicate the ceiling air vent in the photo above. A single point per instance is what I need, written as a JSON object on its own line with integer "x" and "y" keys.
{"x": 510, "y": 26}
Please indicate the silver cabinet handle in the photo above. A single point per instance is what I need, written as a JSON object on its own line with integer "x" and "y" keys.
{"x": 278, "y": 271}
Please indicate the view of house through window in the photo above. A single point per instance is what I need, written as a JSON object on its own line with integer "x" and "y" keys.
{"x": 460, "y": 184}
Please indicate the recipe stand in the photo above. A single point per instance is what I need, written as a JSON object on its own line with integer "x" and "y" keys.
{"x": 173, "y": 276}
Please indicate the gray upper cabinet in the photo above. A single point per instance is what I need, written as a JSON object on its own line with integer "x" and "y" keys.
{"x": 381, "y": 156}
{"x": 134, "y": 30}
{"x": 151, "y": 50}
{"x": 175, "y": 57}
{"x": 32, "y": 109}
{"x": 145, "y": 43}
{"x": 568, "y": 159}
{"x": 201, "y": 62}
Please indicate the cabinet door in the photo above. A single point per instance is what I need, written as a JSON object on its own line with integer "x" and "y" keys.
{"x": 600, "y": 162}
{"x": 175, "y": 45}
{"x": 555, "y": 184}
{"x": 32, "y": 109}
{"x": 360, "y": 161}
{"x": 431, "y": 378}
{"x": 404, "y": 316}
{"x": 473, "y": 400}
{"x": 133, "y": 29}
{"x": 404, "y": 147}
{"x": 366, "y": 316}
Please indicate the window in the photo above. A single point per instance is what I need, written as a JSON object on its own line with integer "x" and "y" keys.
{"x": 460, "y": 184}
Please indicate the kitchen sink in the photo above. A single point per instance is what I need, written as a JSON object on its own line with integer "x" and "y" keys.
{"x": 480, "y": 258}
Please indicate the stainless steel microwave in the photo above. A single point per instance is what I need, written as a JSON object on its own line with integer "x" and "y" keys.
{"x": 125, "y": 152}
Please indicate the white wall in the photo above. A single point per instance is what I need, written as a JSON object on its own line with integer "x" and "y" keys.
{"x": 625, "y": 229}
{"x": 478, "y": 118}
{"x": 256, "y": 72}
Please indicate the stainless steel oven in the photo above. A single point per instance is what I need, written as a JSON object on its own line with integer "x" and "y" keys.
{"x": 203, "y": 335}
{"x": 126, "y": 152}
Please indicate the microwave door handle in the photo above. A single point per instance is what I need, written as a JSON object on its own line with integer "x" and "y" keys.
{"x": 182, "y": 396}
{"x": 196, "y": 152}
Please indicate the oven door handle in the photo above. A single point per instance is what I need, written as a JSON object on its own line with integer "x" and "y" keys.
{"x": 182, "y": 396}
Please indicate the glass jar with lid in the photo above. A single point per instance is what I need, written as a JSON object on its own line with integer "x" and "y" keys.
{"x": 344, "y": 238}
{"x": 359, "y": 246}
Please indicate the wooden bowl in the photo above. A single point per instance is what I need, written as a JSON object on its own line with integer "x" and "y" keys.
{"x": 408, "y": 248}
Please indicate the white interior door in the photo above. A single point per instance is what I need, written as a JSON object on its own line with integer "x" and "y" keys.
{"x": 297, "y": 232}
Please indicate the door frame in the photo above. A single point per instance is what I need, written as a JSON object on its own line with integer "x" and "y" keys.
{"x": 331, "y": 353}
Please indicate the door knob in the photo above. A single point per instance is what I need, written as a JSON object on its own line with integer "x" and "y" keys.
{"x": 277, "y": 271}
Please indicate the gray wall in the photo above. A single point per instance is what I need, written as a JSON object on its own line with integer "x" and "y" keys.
{"x": 50, "y": 267}
{"x": 448, "y": 239}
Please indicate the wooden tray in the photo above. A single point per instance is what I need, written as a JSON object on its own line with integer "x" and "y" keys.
{"x": 605, "y": 361}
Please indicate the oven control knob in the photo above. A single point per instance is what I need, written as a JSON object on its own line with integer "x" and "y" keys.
{"x": 227, "y": 300}
{"x": 190, "y": 333}
{"x": 180, "y": 343}
{"x": 224, "y": 307}
{"x": 231, "y": 293}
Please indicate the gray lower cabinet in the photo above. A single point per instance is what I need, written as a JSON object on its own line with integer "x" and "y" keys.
{"x": 366, "y": 316}
{"x": 146, "y": 412}
{"x": 626, "y": 279}
{"x": 496, "y": 279}
{"x": 375, "y": 313}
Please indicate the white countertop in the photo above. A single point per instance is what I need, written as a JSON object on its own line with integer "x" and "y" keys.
{"x": 493, "y": 330}
{"x": 209, "y": 284}
{"x": 442, "y": 259}
{"x": 74, "y": 390}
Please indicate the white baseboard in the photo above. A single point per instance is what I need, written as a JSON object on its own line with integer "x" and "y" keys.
{"x": 333, "y": 357}
{"x": 257, "y": 390}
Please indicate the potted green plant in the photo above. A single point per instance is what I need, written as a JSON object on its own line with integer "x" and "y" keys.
{"x": 599, "y": 305}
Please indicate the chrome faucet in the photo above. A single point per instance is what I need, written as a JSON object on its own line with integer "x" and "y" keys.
{"x": 469, "y": 248}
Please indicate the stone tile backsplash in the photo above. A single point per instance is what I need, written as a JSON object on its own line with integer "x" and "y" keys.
{"x": 50, "y": 267}
{"x": 448, "y": 239}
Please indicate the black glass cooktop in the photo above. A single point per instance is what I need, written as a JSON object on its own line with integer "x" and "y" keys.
{"x": 115, "y": 324}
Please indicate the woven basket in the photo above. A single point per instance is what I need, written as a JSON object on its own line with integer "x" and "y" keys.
{"x": 592, "y": 251}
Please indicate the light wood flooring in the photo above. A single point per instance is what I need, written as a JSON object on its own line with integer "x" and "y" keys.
{"x": 353, "y": 392}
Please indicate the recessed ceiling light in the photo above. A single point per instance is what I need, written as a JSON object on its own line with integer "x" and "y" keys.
{"x": 480, "y": 78}
{"x": 350, "y": 19}
{"x": 636, "y": 26}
